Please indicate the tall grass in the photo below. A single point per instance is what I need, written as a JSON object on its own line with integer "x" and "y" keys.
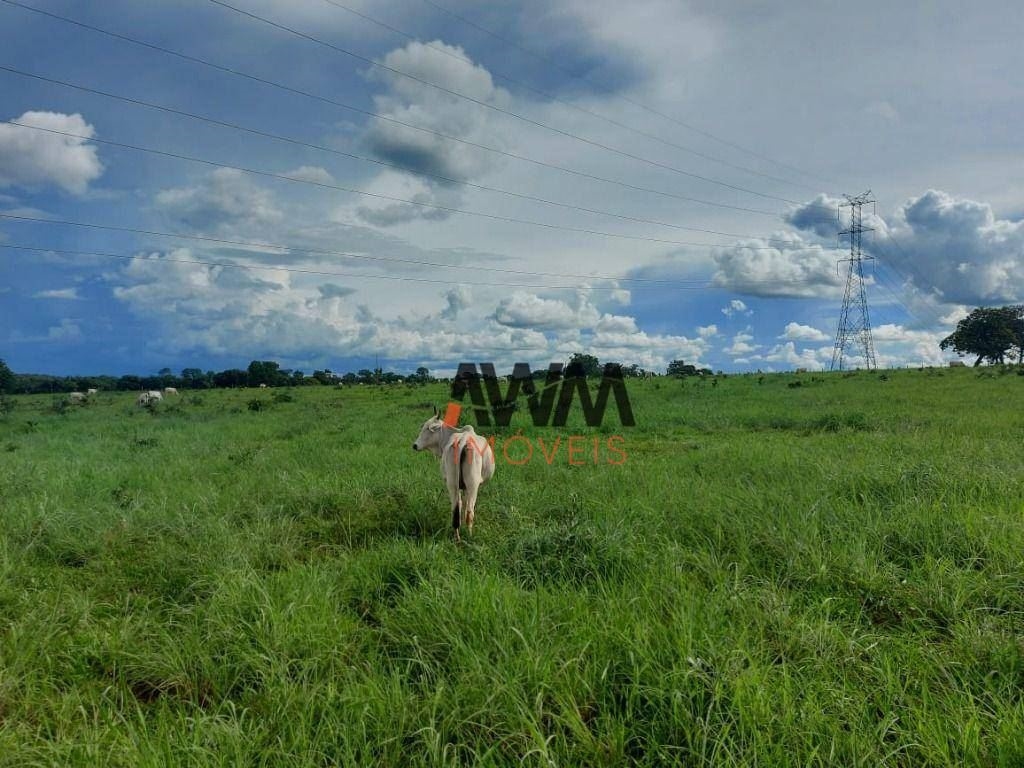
{"x": 829, "y": 574}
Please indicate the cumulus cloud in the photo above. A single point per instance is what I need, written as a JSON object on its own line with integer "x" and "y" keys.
{"x": 224, "y": 200}
{"x": 787, "y": 354}
{"x": 707, "y": 331}
{"x": 30, "y": 158}
{"x": 458, "y": 299}
{"x": 424, "y": 200}
{"x": 741, "y": 345}
{"x": 736, "y": 307}
{"x": 798, "y": 332}
{"x": 799, "y": 270}
{"x": 819, "y": 216}
{"x": 220, "y": 310}
{"x": 527, "y": 310}
{"x": 959, "y": 248}
{"x": 412, "y": 102}
{"x": 68, "y": 330}
{"x": 953, "y": 248}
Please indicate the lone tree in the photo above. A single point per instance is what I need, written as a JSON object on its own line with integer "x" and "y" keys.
{"x": 6, "y": 377}
{"x": 681, "y": 368}
{"x": 583, "y": 365}
{"x": 990, "y": 333}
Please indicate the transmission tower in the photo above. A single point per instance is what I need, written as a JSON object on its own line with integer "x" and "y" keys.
{"x": 854, "y": 331}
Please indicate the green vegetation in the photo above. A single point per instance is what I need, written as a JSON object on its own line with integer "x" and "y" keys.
{"x": 991, "y": 333}
{"x": 823, "y": 574}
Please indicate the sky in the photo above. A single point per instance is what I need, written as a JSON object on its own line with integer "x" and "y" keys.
{"x": 341, "y": 183}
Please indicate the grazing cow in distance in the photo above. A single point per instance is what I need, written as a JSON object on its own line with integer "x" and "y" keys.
{"x": 149, "y": 398}
{"x": 170, "y": 391}
{"x": 467, "y": 461}
{"x": 263, "y": 386}
{"x": 90, "y": 392}
{"x": 957, "y": 364}
{"x": 77, "y": 397}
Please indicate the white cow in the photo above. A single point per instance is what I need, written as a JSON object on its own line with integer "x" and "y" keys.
{"x": 467, "y": 461}
{"x": 76, "y": 397}
{"x": 90, "y": 392}
{"x": 149, "y": 398}
{"x": 170, "y": 391}
{"x": 263, "y": 386}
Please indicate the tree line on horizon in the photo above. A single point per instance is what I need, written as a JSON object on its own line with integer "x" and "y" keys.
{"x": 270, "y": 373}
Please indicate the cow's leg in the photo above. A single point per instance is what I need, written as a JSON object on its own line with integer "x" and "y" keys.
{"x": 454, "y": 495}
{"x": 472, "y": 486}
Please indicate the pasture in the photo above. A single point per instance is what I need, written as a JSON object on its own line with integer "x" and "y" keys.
{"x": 823, "y": 574}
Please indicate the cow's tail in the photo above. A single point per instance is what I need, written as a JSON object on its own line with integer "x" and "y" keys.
{"x": 460, "y": 484}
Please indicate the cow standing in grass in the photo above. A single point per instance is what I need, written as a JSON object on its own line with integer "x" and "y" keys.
{"x": 467, "y": 461}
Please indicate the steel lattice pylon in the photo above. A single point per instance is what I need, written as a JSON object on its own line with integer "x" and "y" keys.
{"x": 854, "y": 331}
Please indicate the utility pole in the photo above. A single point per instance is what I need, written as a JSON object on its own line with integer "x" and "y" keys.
{"x": 854, "y": 331}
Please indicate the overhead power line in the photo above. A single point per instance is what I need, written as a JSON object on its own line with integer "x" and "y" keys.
{"x": 551, "y": 97}
{"x": 385, "y": 118}
{"x": 584, "y": 78}
{"x": 695, "y": 286}
{"x": 494, "y": 107}
{"x": 319, "y": 251}
{"x": 363, "y": 158}
{"x": 359, "y": 256}
{"x": 379, "y": 196}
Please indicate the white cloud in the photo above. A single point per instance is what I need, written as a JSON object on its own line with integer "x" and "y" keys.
{"x": 707, "y": 331}
{"x": 953, "y": 248}
{"x": 787, "y": 353}
{"x": 527, "y": 310}
{"x": 413, "y": 102}
{"x": 798, "y": 270}
{"x": 30, "y": 158}
{"x": 68, "y": 330}
{"x": 798, "y": 332}
{"x": 736, "y": 307}
{"x": 458, "y": 299}
{"x": 741, "y": 345}
{"x": 311, "y": 173}
{"x": 958, "y": 247}
{"x": 57, "y": 293}
{"x": 224, "y": 200}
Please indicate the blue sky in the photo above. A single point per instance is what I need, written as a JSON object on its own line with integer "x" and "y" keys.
{"x": 793, "y": 106}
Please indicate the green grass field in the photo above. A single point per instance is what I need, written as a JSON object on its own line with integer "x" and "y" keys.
{"x": 829, "y": 574}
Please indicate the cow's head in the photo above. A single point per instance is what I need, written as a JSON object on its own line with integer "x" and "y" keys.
{"x": 430, "y": 435}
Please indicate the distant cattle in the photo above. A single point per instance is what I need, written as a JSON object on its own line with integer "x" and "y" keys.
{"x": 76, "y": 397}
{"x": 801, "y": 370}
{"x": 263, "y": 386}
{"x": 149, "y": 398}
{"x": 170, "y": 391}
{"x": 467, "y": 461}
{"x": 957, "y": 364}
{"x": 91, "y": 392}
{"x": 648, "y": 374}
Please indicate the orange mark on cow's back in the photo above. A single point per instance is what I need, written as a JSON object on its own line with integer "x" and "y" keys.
{"x": 451, "y": 415}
